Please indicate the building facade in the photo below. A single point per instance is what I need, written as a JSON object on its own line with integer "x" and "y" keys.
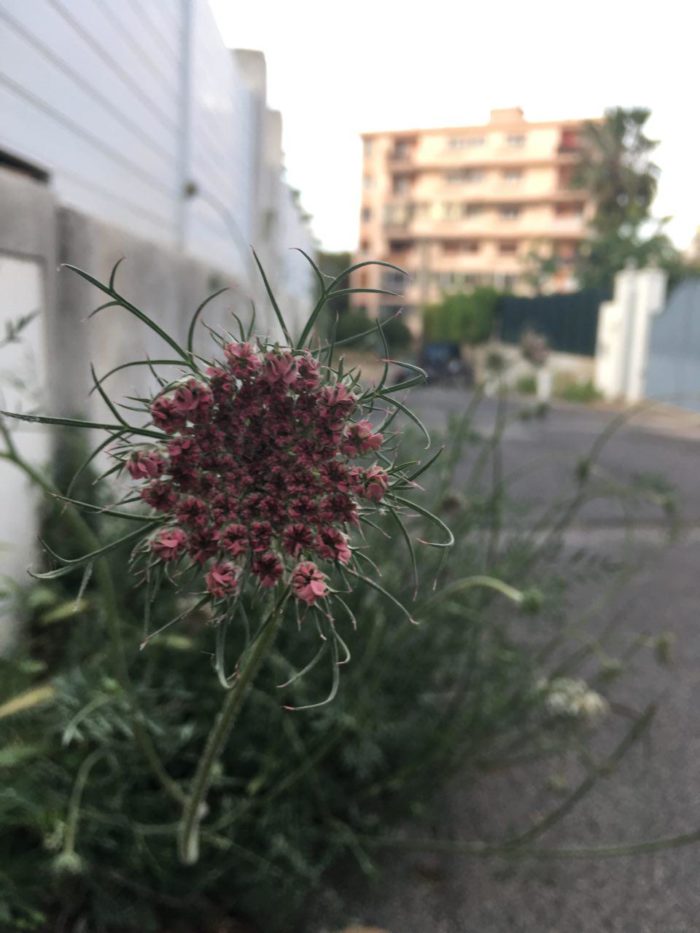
{"x": 467, "y": 206}
{"x": 137, "y": 114}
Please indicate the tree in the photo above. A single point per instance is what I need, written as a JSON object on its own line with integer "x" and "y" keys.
{"x": 462, "y": 318}
{"x": 332, "y": 264}
{"x": 616, "y": 170}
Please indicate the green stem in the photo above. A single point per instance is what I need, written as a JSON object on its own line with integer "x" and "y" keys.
{"x": 195, "y": 806}
{"x": 105, "y": 583}
{"x": 76, "y": 797}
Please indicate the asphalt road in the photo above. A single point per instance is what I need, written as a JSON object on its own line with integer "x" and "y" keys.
{"x": 653, "y": 793}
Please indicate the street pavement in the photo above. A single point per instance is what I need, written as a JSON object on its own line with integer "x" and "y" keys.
{"x": 653, "y": 793}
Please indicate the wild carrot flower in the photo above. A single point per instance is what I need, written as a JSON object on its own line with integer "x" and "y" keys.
{"x": 260, "y": 467}
{"x": 257, "y": 476}
{"x": 308, "y": 583}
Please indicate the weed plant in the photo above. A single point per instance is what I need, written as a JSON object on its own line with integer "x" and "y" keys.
{"x": 96, "y": 737}
{"x": 87, "y": 835}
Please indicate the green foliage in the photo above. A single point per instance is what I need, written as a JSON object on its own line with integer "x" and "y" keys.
{"x": 352, "y": 323}
{"x": 526, "y": 385}
{"x": 332, "y": 264}
{"x": 582, "y": 392}
{"x": 397, "y": 335}
{"x": 462, "y": 317}
{"x": 616, "y": 169}
{"x": 87, "y": 835}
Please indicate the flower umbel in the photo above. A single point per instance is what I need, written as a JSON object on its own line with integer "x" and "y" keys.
{"x": 257, "y": 474}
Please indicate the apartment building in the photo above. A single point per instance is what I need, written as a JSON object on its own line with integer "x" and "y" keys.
{"x": 465, "y": 206}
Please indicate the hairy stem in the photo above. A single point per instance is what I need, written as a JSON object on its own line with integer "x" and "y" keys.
{"x": 195, "y": 805}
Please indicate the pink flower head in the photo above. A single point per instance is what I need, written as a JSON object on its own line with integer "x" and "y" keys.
{"x": 308, "y": 371}
{"x": 192, "y": 400}
{"x": 222, "y": 579}
{"x": 336, "y": 405}
{"x": 242, "y": 359}
{"x": 169, "y": 543}
{"x": 296, "y": 538}
{"x": 202, "y": 544}
{"x": 165, "y": 414}
{"x": 159, "y": 495}
{"x": 260, "y": 534}
{"x": 332, "y": 544}
{"x": 376, "y": 483}
{"x": 360, "y": 438}
{"x": 234, "y": 539}
{"x": 308, "y": 583}
{"x": 193, "y": 512}
{"x": 280, "y": 368}
{"x": 145, "y": 464}
{"x": 268, "y": 569}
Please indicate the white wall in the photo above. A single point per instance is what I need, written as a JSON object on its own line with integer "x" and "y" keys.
{"x": 125, "y": 102}
{"x": 22, "y": 385}
{"x": 624, "y": 324}
{"x": 89, "y": 91}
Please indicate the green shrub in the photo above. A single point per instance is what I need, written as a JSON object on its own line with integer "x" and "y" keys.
{"x": 526, "y": 385}
{"x": 582, "y": 392}
{"x": 353, "y": 323}
{"x": 87, "y": 835}
{"x": 462, "y": 318}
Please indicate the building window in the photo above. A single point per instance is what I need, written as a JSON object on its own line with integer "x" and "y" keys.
{"x": 515, "y": 140}
{"x": 569, "y": 141}
{"x": 364, "y": 246}
{"x": 368, "y": 147}
{"x": 400, "y": 246}
{"x": 366, "y": 214}
{"x": 512, "y": 175}
{"x": 397, "y": 215}
{"x": 509, "y": 211}
{"x": 367, "y": 182}
{"x": 573, "y": 209}
{"x": 460, "y": 246}
{"x": 507, "y": 247}
{"x": 465, "y": 142}
{"x": 402, "y": 148}
{"x": 472, "y": 210}
{"x": 401, "y": 184}
{"x": 451, "y": 210}
{"x": 463, "y": 175}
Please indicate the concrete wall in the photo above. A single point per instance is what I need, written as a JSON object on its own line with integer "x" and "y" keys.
{"x": 143, "y": 119}
{"x": 623, "y": 333}
{"x": 49, "y": 370}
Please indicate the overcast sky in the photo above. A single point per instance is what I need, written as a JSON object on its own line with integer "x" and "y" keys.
{"x": 337, "y": 69}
